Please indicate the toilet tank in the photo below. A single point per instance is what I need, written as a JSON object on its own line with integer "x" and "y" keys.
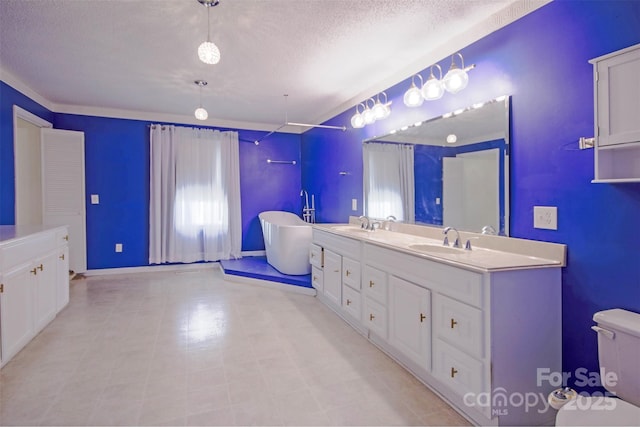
{"x": 619, "y": 351}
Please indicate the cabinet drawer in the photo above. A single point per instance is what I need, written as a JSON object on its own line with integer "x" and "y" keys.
{"x": 461, "y": 372}
{"x": 23, "y": 250}
{"x": 317, "y": 278}
{"x": 62, "y": 236}
{"x": 374, "y": 317}
{"x": 351, "y": 272}
{"x": 375, "y": 284}
{"x": 351, "y": 302}
{"x": 315, "y": 255}
{"x": 459, "y": 324}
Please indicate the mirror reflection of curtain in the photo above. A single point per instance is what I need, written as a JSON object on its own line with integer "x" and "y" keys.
{"x": 194, "y": 212}
{"x": 388, "y": 181}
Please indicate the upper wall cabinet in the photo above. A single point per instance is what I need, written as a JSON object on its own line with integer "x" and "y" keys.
{"x": 617, "y": 116}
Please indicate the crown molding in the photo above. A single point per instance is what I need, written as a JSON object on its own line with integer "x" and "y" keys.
{"x": 13, "y": 81}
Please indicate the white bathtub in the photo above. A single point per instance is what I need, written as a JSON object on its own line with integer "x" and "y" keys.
{"x": 287, "y": 239}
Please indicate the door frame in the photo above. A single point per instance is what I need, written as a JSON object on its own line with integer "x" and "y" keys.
{"x": 21, "y": 113}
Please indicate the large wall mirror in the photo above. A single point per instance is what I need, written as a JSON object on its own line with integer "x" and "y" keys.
{"x": 451, "y": 170}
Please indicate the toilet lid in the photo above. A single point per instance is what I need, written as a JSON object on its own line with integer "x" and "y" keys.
{"x": 598, "y": 411}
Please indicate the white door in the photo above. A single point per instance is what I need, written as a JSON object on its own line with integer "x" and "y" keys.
{"x": 63, "y": 193}
{"x": 410, "y": 323}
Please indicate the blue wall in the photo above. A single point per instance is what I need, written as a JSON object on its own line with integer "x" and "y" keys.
{"x": 117, "y": 169}
{"x": 542, "y": 61}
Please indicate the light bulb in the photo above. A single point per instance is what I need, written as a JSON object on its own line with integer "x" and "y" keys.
{"x": 209, "y": 53}
{"x": 201, "y": 113}
{"x": 368, "y": 116}
{"x": 433, "y": 89}
{"x": 413, "y": 97}
{"x": 380, "y": 111}
{"x": 357, "y": 121}
{"x": 455, "y": 80}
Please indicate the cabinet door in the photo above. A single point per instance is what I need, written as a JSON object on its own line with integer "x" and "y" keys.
{"x": 410, "y": 320}
{"x": 16, "y": 311}
{"x": 618, "y": 104}
{"x": 333, "y": 276}
{"x": 62, "y": 281}
{"x": 375, "y": 284}
{"x": 351, "y": 272}
{"x": 45, "y": 306}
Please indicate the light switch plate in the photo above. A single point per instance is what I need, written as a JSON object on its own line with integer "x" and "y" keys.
{"x": 354, "y": 204}
{"x": 118, "y": 247}
{"x": 545, "y": 217}
{"x": 95, "y": 199}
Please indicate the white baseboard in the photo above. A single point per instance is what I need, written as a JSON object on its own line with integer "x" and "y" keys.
{"x": 268, "y": 284}
{"x": 152, "y": 268}
{"x": 253, "y": 253}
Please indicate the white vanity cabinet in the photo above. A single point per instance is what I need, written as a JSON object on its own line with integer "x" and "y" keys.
{"x": 476, "y": 336}
{"x": 34, "y": 283}
{"x": 617, "y": 108}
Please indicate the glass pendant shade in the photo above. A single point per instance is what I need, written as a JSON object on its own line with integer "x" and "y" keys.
{"x": 357, "y": 121}
{"x": 379, "y": 111}
{"x": 368, "y": 116}
{"x": 413, "y": 96}
{"x": 201, "y": 113}
{"x": 456, "y": 80}
{"x": 209, "y": 53}
{"x": 433, "y": 88}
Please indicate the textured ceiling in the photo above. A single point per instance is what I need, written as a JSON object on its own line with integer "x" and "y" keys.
{"x": 140, "y": 56}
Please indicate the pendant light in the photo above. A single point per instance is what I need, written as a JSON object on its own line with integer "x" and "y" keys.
{"x": 433, "y": 88}
{"x": 456, "y": 78}
{"x": 381, "y": 110}
{"x": 413, "y": 96}
{"x": 201, "y": 113}
{"x": 208, "y": 52}
{"x": 357, "y": 121}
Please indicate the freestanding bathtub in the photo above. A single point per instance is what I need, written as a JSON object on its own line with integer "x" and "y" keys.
{"x": 287, "y": 239}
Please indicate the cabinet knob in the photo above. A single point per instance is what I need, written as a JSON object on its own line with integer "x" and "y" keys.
{"x": 34, "y": 271}
{"x": 66, "y": 237}
{"x": 61, "y": 257}
{"x": 40, "y": 267}
{"x": 348, "y": 302}
{"x": 348, "y": 273}
{"x": 371, "y": 283}
{"x": 454, "y": 371}
{"x": 312, "y": 255}
{"x": 315, "y": 278}
{"x": 422, "y": 317}
{"x": 453, "y": 323}
{"x": 371, "y": 317}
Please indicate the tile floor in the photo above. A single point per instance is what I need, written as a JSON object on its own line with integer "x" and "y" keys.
{"x": 189, "y": 348}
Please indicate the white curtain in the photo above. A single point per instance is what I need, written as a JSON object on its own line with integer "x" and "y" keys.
{"x": 388, "y": 181}
{"x": 194, "y": 209}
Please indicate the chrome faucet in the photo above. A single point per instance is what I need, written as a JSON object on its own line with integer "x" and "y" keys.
{"x": 306, "y": 210}
{"x": 364, "y": 220}
{"x": 386, "y": 224}
{"x": 456, "y": 243}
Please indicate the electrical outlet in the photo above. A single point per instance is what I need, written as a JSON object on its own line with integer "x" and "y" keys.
{"x": 545, "y": 217}
{"x": 354, "y": 204}
{"x": 95, "y": 199}
{"x": 437, "y": 200}
{"x": 118, "y": 247}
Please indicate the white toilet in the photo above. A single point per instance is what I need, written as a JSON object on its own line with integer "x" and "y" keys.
{"x": 618, "y": 352}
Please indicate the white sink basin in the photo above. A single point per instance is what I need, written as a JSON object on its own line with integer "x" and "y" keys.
{"x": 436, "y": 249}
{"x": 350, "y": 229}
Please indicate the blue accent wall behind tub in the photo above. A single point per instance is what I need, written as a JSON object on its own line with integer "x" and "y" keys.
{"x": 117, "y": 169}
{"x": 541, "y": 60}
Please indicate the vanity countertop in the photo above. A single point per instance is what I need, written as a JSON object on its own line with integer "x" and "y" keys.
{"x": 15, "y": 232}
{"x": 488, "y": 253}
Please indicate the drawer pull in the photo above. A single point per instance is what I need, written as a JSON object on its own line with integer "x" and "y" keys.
{"x": 312, "y": 255}
{"x": 34, "y": 271}
{"x": 371, "y": 317}
{"x": 66, "y": 237}
{"x": 422, "y": 317}
{"x": 371, "y": 283}
{"x": 348, "y": 273}
{"x": 61, "y": 257}
{"x": 453, "y": 323}
{"x": 40, "y": 267}
{"x": 454, "y": 371}
{"x": 336, "y": 271}
{"x": 348, "y": 302}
